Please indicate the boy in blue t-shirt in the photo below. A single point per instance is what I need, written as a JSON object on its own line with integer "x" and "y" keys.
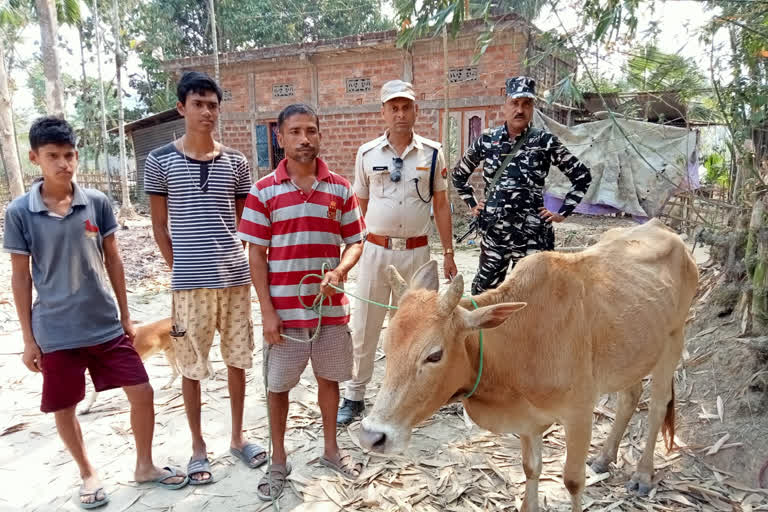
{"x": 68, "y": 234}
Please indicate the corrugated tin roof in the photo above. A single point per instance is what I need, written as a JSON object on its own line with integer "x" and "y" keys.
{"x": 161, "y": 117}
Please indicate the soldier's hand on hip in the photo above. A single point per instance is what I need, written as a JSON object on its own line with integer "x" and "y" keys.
{"x": 477, "y": 210}
{"x": 549, "y": 216}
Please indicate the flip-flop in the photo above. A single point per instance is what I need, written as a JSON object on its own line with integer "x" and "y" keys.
{"x": 344, "y": 466}
{"x": 247, "y": 454}
{"x": 279, "y": 474}
{"x": 199, "y": 466}
{"x": 96, "y": 503}
{"x": 159, "y": 481}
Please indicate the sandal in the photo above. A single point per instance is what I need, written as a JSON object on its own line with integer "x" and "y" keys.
{"x": 196, "y": 467}
{"x": 168, "y": 473}
{"x": 344, "y": 465}
{"x": 249, "y": 452}
{"x": 96, "y": 503}
{"x": 278, "y": 474}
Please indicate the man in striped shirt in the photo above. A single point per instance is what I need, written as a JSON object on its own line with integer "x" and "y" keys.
{"x": 295, "y": 220}
{"x": 201, "y": 186}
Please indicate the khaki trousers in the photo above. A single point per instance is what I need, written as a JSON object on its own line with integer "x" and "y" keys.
{"x": 367, "y": 319}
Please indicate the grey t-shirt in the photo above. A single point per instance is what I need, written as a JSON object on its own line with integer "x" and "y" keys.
{"x": 74, "y": 307}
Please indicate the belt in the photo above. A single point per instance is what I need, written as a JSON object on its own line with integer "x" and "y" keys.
{"x": 398, "y": 244}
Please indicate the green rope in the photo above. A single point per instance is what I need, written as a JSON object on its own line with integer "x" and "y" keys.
{"x": 317, "y": 307}
{"x": 480, "y": 371}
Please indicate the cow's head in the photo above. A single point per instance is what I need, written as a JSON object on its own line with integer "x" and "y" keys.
{"x": 428, "y": 363}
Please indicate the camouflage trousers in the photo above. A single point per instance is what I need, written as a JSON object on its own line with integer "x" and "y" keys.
{"x": 506, "y": 242}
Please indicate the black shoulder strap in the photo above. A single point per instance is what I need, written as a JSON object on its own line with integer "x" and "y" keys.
{"x": 432, "y": 175}
{"x": 523, "y": 138}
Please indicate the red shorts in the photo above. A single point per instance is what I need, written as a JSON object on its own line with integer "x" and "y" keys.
{"x": 112, "y": 364}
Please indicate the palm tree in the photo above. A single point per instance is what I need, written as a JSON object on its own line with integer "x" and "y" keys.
{"x": 12, "y": 18}
{"x": 48, "y": 14}
{"x": 126, "y": 209}
{"x": 102, "y": 102}
{"x": 54, "y": 96}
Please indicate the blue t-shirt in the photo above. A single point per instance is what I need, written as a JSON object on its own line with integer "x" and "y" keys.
{"x": 74, "y": 307}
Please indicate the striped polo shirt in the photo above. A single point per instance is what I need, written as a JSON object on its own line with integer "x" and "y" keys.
{"x": 201, "y": 210}
{"x": 302, "y": 232}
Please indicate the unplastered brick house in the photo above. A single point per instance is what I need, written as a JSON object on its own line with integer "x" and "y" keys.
{"x": 342, "y": 78}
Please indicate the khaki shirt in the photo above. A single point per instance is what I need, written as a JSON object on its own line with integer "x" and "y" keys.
{"x": 395, "y": 209}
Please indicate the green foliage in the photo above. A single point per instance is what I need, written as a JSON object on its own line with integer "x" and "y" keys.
{"x": 604, "y": 84}
{"x": 426, "y": 18}
{"x": 162, "y": 30}
{"x": 649, "y": 69}
{"x": 717, "y": 170}
{"x": 36, "y": 84}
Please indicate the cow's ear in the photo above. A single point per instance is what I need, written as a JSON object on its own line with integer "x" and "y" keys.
{"x": 426, "y": 277}
{"x": 489, "y": 317}
{"x": 396, "y": 281}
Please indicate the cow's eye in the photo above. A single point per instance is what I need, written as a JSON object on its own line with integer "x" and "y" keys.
{"x": 434, "y": 357}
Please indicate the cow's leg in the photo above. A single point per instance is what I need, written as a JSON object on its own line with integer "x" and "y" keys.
{"x": 628, "y": 399}
{"x": 170, "y": 356}
{"x": 578, "y": 433}
{"x": 658, "y": 411}
{"x": 531, "y": 446}
{"x": 91, "y": 400}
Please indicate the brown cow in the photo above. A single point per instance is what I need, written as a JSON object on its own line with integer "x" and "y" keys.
{"x": 597, "y": 321}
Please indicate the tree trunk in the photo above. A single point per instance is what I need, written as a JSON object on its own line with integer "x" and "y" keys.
{"x": 756, "y": 262}
{"x": 54, "y": 96}
{"x": 215, "y": 40}
{"x": 103, "y": 138}
{"x": 126, "y": 209}
{"x": 86, "y": 112}
{"x": 8, "y": 133}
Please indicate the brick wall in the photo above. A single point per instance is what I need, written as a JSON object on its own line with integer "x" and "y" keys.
{"x": 258, "y": 81}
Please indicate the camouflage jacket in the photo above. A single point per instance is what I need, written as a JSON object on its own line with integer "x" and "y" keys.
{"x": 522, "y": 185}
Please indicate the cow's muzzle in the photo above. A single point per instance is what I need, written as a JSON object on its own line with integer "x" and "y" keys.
{"x": 373, "y": 440}
{"x": 383, "y": 437}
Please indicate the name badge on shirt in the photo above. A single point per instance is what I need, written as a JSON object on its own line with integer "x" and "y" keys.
{"x": 422, "y": 168}
{"x": 332, "y": 209}
{"x": 379, "y": 168}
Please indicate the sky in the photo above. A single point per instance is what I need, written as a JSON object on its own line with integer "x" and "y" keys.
{"x": 679, "y": 22}
{"x": 69, "y": 63}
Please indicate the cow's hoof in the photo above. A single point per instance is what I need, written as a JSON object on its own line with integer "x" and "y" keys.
{"x": 638, "y": 487}
{"x": 599, "y": 466}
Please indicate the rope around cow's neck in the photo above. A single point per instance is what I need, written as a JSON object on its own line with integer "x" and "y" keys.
{"x": 317, "y": 307}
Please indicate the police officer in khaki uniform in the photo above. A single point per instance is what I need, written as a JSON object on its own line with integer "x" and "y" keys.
{"x": 398, "y": 176}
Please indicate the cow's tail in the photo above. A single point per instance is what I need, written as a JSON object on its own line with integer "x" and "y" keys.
{"x": 668, "y": 427}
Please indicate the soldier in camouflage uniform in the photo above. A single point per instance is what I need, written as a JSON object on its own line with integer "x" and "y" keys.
{"x": 513, "y": 220}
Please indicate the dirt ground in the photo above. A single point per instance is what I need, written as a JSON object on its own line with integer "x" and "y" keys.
{"x": 451, "y": 464}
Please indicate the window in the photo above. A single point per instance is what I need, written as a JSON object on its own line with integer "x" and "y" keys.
{"x": 262, "y": 145}
{"x": 456, "y": 75}
{"x": 475, "y": 128}
{"x": 452, "y": 154}
{"x": 358, "y": 85}
{"x": 283, "y": 90}
{"x": 277, "y": 152}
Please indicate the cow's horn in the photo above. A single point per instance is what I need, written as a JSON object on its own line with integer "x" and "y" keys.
{"x": 450, "y": 297}
{"x": 397, "y": 282}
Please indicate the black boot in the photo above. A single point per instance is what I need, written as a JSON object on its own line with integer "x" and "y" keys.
{"x": 350, "y": 411}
